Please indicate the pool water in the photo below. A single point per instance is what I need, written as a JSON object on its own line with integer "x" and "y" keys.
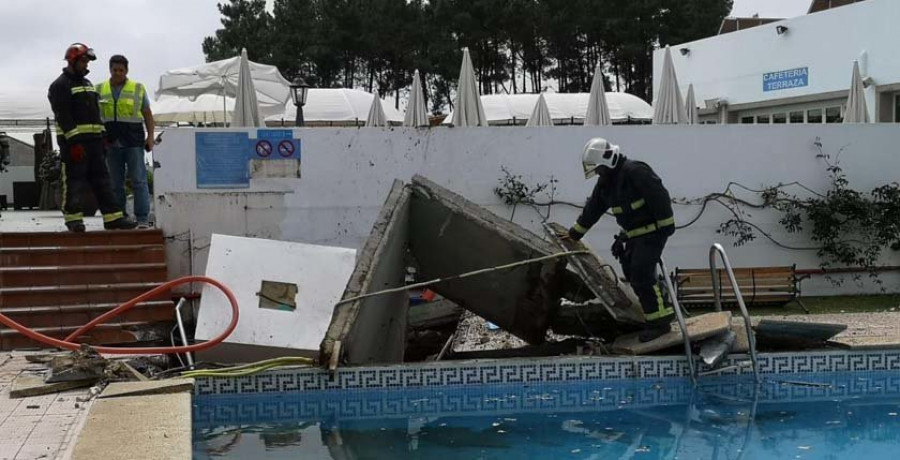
{"x": 809, "y": 416}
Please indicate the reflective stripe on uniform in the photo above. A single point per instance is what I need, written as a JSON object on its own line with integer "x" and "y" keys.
{"x": 635, "y": 232}
{"x": 84, "y": 129}
{"x": 107, "y": 218}
{"x": 83, "y": 89}
{"x": 616, "y": 210}
{"x": 74, "y": 217}
{"x": 662, "y": 310}
{"x": 665, "y": 222}
{"x": 579, "y": 228}
{"x": 638, "y": 204}
{"x": 64, "y": 186}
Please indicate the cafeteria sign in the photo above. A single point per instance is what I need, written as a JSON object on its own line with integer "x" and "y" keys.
{"x": 786, "y": 79}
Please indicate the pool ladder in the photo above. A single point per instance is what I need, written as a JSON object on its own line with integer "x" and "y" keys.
{"x": 715, "y": 249}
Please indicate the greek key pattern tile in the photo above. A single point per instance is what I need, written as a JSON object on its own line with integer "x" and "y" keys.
{"x": 539, "y": 370}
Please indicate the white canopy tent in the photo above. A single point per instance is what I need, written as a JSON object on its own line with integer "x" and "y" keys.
{"x": 565, "y": 108}
{"x": 221, "y": 78}
{"x": 206, "y": 109}
{"x": 334, "y": 107}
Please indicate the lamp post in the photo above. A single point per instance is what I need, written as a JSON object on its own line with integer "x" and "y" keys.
{"x": 299, "y": 90}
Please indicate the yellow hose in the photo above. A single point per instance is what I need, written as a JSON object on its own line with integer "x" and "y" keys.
{"x": 249, "y": 369}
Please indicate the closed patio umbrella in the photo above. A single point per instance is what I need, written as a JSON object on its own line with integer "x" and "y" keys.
{"x": 376, "y": 113}
{"x": 540, "y": 116}
{"x": 467, "y": 110}
{"x": 416, "y": 115}
{"x": 693, "y": 116}
{"x": 246, "y": 109}
{"x": 856, "y": 112}
{"x": 669, "y": 106}
{"x": 597, "y": 110}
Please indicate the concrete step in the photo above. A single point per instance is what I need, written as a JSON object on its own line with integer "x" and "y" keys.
{"x": 81, "y": 274}
{"x": 79, "y": 315}
{"x": 98, "y": 238}
{"x": 11, "y": 339}
{"x": 76, "y": 294}
{"x": 82, "y": 255}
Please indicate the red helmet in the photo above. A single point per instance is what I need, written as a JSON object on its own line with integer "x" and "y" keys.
{"x": 77, "y": 50}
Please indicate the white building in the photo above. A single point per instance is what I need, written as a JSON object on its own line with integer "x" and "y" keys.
{"x": 795, "y": 70}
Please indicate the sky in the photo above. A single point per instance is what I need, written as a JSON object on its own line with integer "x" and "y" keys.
{"x": 155, "y": 35}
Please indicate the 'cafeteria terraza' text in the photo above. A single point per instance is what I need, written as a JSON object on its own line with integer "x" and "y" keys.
{"x": 786, "y": 79}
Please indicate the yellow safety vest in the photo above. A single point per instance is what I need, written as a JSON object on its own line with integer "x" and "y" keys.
{"x": 126, "y": 109}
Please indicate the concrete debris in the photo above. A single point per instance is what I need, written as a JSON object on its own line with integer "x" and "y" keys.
{"x": 714, "y": 349}
{"x": 779, "y": 335}
{"x": 28, "y": 384}
{"x": 698, "y": 328}
{"x": 446, "y": 235}
{"x": 121, "y": 389}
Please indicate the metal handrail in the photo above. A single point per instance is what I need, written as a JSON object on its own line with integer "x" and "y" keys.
{"x": 687, "y": 340}
{"x": 717, "y": 291}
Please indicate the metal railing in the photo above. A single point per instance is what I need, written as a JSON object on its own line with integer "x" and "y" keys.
{"x": 717, "y": 291}
{"x": 670, "y": 286}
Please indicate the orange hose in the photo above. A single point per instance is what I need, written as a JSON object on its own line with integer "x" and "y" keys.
{"x": 69, "y": 345}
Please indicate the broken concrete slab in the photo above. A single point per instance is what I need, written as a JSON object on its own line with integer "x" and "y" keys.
{"x": 434, "y": 314}
{"x": 714, "y": 349}
{"x": 27, "y": 384}
{"x": 617, "y": 298}
{"x": 775, "y": 334}
{"x": 252, "y": 268}
{"x": 164, "y": 421}
{"x": 373, "y": 330}
{"x": 698, "y": 327}
{"x": 120, "y": 389}
{"x": 741, "y": 343}
{"x": 453, "y": 236}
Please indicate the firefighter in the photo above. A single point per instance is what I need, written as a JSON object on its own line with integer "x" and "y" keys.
{"x": 80, "y": 132}
{"x": 643, "y": 209}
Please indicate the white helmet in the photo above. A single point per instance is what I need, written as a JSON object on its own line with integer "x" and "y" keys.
{"x": 599, "y": 152}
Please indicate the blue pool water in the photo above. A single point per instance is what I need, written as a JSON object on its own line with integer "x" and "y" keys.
{"x": 809, "y": 416}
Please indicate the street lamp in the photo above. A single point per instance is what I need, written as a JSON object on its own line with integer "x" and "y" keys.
{"x": 299, "y": 90}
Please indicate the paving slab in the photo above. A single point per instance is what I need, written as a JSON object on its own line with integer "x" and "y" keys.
{"x": 120, "y": 389}
{"x": 868, "y": 343}
{"x": 33, "y": 385}
{"x": 137, "y": 428}
{"x": 698, "y": 327}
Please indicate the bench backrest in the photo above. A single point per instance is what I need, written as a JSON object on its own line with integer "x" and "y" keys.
{"x": 758, "y": 285}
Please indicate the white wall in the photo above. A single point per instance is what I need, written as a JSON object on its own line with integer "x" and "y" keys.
{"x": 731, "y": 66}
{"x": 14, "y": 174}
{"x": 347, "y": 173}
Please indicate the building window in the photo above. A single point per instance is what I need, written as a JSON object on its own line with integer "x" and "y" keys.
{"x": 762, "y": 119}
{"x": 779, "y": 118}
{"x": 897, "y": 108}
{"x": 814, "y": 116}
{"x": 833, "y": 115}
{"x": 747, "y": 120}
{"x": 796, "y": 117}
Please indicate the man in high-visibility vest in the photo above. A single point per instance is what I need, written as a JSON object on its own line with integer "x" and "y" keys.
{"x": 643, "y": 208}
{"x": 125, "y": 109}
{"x": 79, "y": 132}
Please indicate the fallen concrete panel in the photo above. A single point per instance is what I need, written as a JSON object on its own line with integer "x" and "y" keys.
{"x": 374, "y": 329}
{"x": 741, "y": 344}
{"x": 318, "y": 275}
{"x": 453, "y": 235}
{"x": 698, "y": 327}
{"x": 794, "y": 334}
{"x": 33, "y": 385}
{"x": 137, "y": 428}
{"x": 617, "y": 298}
{"x": 120, "y": 389}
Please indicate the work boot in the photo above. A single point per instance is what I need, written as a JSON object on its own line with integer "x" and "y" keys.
{"x": 121, "y": 223}
{"x": 75, "y": 226}
{"x": 655, "y": 329}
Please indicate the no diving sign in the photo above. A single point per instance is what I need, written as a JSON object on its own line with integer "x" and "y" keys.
{"x": 264, "y": 148}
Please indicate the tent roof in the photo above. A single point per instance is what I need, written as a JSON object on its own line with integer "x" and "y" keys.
{"x": 336, "y": 105}
{"x": 503, "y": 108}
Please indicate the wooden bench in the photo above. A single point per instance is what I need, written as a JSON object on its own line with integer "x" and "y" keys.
{"x": 758, "y": 285}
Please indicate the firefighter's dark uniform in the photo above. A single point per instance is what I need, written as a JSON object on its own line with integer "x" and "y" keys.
{"x": 643, "y": 208}
{"x": 75, "y": 105}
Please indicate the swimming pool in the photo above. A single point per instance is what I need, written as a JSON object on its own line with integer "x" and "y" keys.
{"x": 797, "y": 411}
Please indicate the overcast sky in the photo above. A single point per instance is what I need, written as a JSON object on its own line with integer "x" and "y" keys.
{"x": 166, "y": 34}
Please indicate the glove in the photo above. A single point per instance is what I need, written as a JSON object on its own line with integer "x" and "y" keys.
{"x": 574, "y": 235}
{"x": 76, "y": 152}
{"x": 618, "y": 247}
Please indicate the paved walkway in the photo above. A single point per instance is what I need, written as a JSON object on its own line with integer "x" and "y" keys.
{"x": 39, "y": 427}
{"x": 41, "y": 221}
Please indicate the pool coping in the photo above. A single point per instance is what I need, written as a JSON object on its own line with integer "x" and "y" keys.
{"x": 537, "y": 370}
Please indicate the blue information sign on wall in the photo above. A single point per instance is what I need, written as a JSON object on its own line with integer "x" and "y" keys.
{"x": 786, "y": 79}
{"x": 223, "y": 159}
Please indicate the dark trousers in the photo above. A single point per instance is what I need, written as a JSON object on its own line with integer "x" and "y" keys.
{"x": 639, "y": 267}
{"x": 90, "y": 171}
